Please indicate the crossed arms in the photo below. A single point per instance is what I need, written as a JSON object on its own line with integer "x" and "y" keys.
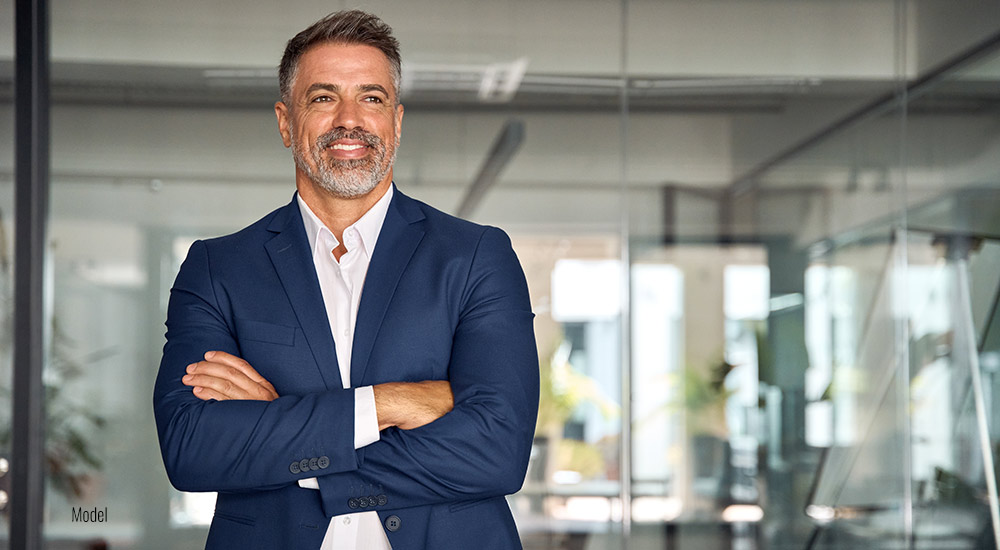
{"x": 406, "y": 405}
{"x": 463, "y": 438}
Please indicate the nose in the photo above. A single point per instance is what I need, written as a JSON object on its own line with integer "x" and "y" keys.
{"x": 348, "y": 115}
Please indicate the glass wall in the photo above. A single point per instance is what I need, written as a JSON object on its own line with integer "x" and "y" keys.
{"x": 897, "y": 414}
{"x": 760, "y": 239}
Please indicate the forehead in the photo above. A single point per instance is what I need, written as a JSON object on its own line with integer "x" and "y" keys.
{"x": 344, "y": 65}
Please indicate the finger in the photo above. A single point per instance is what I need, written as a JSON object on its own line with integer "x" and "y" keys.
{"x": 206, "y": 394}
{"x": 236, "y": 362}
{"x": 222, "y": 372}
{"x": 228, "y": 382}
{"x": 220, "y": 386}
{"x": 244, "y": 385}
{"x": 261, "y": 386}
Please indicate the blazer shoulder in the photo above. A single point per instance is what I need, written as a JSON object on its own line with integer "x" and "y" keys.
{"x": 256, "y": 233}
{"x": 441, "y": 224}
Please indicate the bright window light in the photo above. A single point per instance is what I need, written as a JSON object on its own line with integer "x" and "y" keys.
{"x": 747, "y": 291}
{"x": 586, "y": 290}
{"x": 190, "y": 509}
{"x": 742, "y": 513}
{"x": 656, "y": 509}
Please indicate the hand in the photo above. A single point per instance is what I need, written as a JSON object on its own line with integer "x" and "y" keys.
{"x": 409, "y": 405}
{"x": 223, "y": 376}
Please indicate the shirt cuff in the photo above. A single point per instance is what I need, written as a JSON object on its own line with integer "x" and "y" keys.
{"x": 310, "y": 483}
{"x": 365, "y": 426}
{"x": 365, "y": 417}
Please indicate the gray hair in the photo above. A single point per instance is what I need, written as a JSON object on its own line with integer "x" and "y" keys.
{"x": 342, "y": 27}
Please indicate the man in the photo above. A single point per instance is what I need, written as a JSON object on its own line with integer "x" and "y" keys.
{"x": 356, "y": 370}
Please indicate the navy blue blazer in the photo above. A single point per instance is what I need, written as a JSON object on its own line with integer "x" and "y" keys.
{"x": 444, "y": 299}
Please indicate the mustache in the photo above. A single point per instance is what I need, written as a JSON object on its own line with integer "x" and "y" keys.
{"x": 369, "y": 139}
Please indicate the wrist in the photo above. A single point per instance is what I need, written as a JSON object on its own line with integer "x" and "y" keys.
{"x": 385, "y": 405}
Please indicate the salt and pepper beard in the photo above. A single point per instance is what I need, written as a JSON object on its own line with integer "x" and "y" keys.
{"x": 348, "y": 178}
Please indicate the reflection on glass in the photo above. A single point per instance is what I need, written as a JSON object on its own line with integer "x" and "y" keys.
{"x": 952, "y": 388}
{"x": 697, "y": 330}
{"x": 572, "y": 487}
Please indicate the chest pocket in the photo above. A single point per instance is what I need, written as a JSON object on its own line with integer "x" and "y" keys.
{"x": 260, "y": 331}
{"x": 281, "y": 354}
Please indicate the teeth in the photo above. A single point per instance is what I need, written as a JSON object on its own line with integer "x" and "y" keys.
{"x": 342, "y": 147}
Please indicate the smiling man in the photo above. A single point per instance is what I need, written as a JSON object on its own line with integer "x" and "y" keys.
{"x": 356, "y": 370}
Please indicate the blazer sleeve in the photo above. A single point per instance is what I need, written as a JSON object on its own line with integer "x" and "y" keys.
{"x": 237, "y": 445}
{"x": 480, "y": 449}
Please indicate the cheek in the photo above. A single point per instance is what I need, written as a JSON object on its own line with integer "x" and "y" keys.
{"x": 311, "y": 125}
{"x": 306, "y": 136}
{"x": 388, "y": 130}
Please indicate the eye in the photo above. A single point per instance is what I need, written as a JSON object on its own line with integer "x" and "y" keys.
{"x": 373, "y": 99}
{"x": 321, "y": 99}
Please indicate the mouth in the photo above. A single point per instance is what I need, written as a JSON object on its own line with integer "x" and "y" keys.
{"x": 346, "y": 146}
{"x": 346, "y": 149}
{"x": 342, "y": 144}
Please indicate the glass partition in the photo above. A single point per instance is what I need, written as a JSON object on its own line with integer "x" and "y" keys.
{"x": 900, "y": 249}
{"x": 954, "y": 287}
{"x": 772, "y": 324}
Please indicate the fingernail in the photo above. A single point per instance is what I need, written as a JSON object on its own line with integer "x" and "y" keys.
{"x": 197, "y": 389}
{"x": 191, "y": 367}
{"x": 186, "y": 378}
{"x": 209, "y": 354}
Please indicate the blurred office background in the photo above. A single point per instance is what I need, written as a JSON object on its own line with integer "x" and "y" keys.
{"x": 762, "y": 239}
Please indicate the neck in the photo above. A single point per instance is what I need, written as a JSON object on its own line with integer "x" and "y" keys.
{"x": 338, "y": 213}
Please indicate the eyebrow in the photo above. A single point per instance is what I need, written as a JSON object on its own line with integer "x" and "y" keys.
{"x": 322, "y": 86}
{"x": 336, "y": 89}
{"x": 374, "y": 88}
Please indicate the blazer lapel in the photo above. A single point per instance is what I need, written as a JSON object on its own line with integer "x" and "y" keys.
{"x": 292, "y": 260}
{"x": 400, "y": 235}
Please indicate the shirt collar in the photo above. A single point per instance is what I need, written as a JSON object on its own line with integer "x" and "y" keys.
{"x": 368, "y": 226}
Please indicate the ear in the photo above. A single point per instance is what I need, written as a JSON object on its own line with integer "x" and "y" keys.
{"x": 284, "y": 123}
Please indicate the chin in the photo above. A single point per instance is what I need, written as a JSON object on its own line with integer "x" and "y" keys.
{"x": 346, "y": 191}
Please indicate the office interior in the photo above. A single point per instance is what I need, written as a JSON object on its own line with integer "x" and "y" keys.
{"x": 762, "y": 240}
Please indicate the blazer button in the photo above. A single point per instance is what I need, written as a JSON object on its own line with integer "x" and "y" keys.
{"x": 353, "y": 503}
{"x": 304, "y": 464}
{"x": 363, "y": 501}
{"x": 314, "y": 464}
{"x": 323, "y": 462}
{"x": 294, "y": 468}
{"x": 382, "y": 500}
{"x": 392, "y": 523}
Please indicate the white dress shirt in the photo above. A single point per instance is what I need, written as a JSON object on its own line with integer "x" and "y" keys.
{"x": 341, "y": 283}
